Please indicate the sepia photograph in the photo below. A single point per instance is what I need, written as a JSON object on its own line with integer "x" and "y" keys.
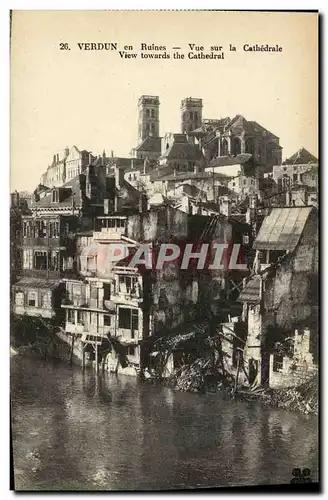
{"x": 164, "y": 250}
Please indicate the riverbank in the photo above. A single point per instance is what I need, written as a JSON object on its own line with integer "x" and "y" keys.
{"x": 198, "y": 379}
{"x": 302, "y": 399}
{"x": 201, "y": 376}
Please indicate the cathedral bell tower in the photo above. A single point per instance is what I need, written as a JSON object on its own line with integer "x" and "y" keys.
{"x": 148, "y": 117}
{"x": 191, "y": 114}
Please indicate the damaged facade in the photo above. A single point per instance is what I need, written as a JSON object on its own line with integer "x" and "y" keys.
{"x": 281, "y": 296}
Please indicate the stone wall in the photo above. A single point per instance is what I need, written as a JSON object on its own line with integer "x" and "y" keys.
{"x": 292, "y": 372}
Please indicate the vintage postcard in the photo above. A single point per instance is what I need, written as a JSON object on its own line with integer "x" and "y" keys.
{"x": 164, "y": 250}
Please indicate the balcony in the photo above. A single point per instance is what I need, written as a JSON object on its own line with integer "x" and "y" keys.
{"x": 110, "y": 233}
{"x": 47, "y": 273}
{"x": 45, "y": 242}
{"x": 89, "y": 304}
{"x": 42, "y": 273}
{"x": 126, "y": 297}
{"x": 88, "y": 329}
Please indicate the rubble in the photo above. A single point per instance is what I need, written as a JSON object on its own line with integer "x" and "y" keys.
{"x": 302, "y": 399}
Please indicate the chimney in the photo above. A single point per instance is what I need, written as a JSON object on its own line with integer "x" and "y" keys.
{"x": 90, "y": 158}
{"x": 112, "y": 153}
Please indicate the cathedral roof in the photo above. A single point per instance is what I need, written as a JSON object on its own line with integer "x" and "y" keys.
{"x": 224, "y": 161}
{"x": 150, "y": 144}
{"x": 302, "y": 156}
{"x": 183, "y": 151}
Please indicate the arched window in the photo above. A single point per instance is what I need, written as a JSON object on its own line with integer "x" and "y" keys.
{"x": 236, "y": 146}
{"x": 196, "y": 115}
{"x": 152, "y": 128}
{"x": 249, "y": 146}
{"x": 152, "y": 113}
{"x": 224, "y": 147}
{"x": 148, "y": 112}
{"x": 191, "y": 115}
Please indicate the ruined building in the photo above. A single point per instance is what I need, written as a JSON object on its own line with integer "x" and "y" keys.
{"x": 48, "y": 242}
{"x": 282, "y": 293}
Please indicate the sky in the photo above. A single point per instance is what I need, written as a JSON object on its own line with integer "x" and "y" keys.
{"x": 89, "y": 98}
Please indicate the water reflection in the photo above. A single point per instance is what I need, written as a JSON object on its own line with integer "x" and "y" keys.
{"x": 72, "y": 430}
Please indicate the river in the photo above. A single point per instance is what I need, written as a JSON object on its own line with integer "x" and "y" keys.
{"x": 71, "y": 432}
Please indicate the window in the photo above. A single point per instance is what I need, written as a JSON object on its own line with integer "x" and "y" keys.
{"x": 80, "y": 318}
{"x": 148, "y": 112}
{"x": 54, "y": 229}
{"x": 31, "y": 299}
{"x": 245, "y": 239}
{"x": 128, "y": 319}
{"x": 55, "y": 196}
{"x": 124, "y": 318}
{"x": 285, "y": 168}
{"x": 135, "y": 320}
{"x": 19, "y": 299}
{"x": 236, "y": 146}
{"x": 127, "y": 284}
{"x": 131, "y": 350}
{"x": 249, "y": 146}
{"x": 107, "y": 320}
{"x": 224, "y": 148}
{"x": 69, "y": 263}
{"x": 152, "y": 113}
{"x": 106, "y": 287}
{"x": 40, "y": 260}
{"x": 28, "y": 258}
{"x": 54, "y": 266}
{"x": 294, "y": 178}
{"x": 70, "y": 316}
{"x": 46, "y": 300}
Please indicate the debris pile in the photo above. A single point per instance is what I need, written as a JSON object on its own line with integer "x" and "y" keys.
{"x": 192, "y": 377}
{"x": 302, "y": 399}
